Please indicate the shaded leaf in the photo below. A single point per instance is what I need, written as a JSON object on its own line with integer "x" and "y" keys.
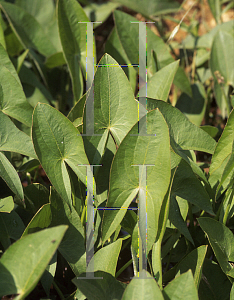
{"x": 221, "y": 240}
{"x": 72, "y": 246}
{"x": 10, "y": 176}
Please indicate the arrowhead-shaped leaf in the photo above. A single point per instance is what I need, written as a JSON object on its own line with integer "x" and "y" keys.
{"x": 125, "y": 183}
{"x": 57, "y": 141}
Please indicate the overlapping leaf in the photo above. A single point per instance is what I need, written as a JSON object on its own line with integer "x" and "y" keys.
{"x": 125, "y": 183}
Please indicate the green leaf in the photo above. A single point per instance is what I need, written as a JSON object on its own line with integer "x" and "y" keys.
{"x": 34, "y": 90}
{"x": 215, "y": 7}
{"x": 6, "y": 204}
{"x": 221, "y": 241}
{"x": 221, "y": 62}
{"x": 232, "y": 293}
{"x": 111, "y": 119}
{"x": 13, "y": 224}
{"x": 193, "y": 261}
{"x": 182, "y": 287}
{"x": 193, "y": 107}
{"x": 72, "y": 246}
{"x": 76, "y": 113}
{"x": 57, "y": 143}
{"x": 106, "y": 258}
{"x": 177, "y": 220}
{"x": 129, "y": 41}
{"x": 12, "y": 98}
{"x": 128, "y": 34}
{"x": 99, "y": 12}
{"x": 115, "y": 48}
{"x": 162, "y": 222}
{"x": 151, "y": 8}
{"x": 36, "y": 195}
{"x": 156, "y": 44}
{"x": 124, "y": 178}
{"x": 227, "y": 175}
{"x": 222, "y": 154}
{"x": 6, "y": 62}
{"x": 159, "y": 85}
{"x": 38, "y": 249}
{"x": 10, "y": 176}
{"x": 206, "y": 40}
{"x": 214, "y": 284}
{"x": 186, "y": 135}
{"x": 112, "y": 94}
{"x": 73, "y": 39}
{"x": 98, "y": 289}
{"x": 212, "y": 131}
{"x": 44, "y": 13}
{"x": 12, "y": 139}
{"x": 2, "y": 38}
{"x": 55, "y": 60}
{"x": 28, "y": 30}
{"x": 41, "y": 10}
{"x": 40, "y": 220}
{"x": 187, "y": 186}
{"x": 140, "y": 288}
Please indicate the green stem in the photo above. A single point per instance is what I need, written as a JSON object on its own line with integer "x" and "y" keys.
{"x": 191, "y": 223}
{"x": 226, "y": 99}
{"x": 123, "y": 268}
{"x": 168, "y": 261}
{"x": 58, "y": 291}
{"x": 228, "y": 208}
{"x": 83, "y": 216}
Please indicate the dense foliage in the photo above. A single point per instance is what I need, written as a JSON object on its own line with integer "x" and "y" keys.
{"x": 45, "y": 153}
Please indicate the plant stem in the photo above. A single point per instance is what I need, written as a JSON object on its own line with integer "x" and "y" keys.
{"x": 228, "y": 208}
{"x": 58, "y": 291}
{"x": 168, "y": 261}
{"x": 123, "y": 268}
{"x": 226, "y": 99}
{"x": 191, "y": 224}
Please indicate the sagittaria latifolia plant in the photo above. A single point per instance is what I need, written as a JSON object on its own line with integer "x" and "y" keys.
{"x": 45, "y": 154}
